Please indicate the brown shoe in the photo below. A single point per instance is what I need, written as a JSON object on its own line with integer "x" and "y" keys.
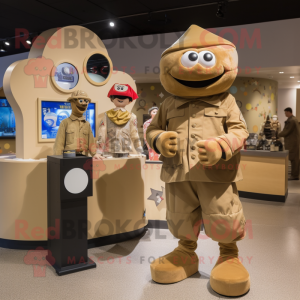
{"x": 176, "y": 266}
{"x": 229, "y": 277}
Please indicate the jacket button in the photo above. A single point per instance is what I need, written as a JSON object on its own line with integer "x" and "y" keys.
{"x": 193, "y": 136}
{"x": 193, "y": 125}
{"x": 193, "y": 156}
{"x": 193, "y": 105}
{"x": 193, "y": 147}
{"x": 193, "y": 115}
{"x": 216, "y": 112}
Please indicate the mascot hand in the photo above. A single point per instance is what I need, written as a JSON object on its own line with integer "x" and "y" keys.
{"x": 210, "y": 152}
{"x": 167, "y": 143}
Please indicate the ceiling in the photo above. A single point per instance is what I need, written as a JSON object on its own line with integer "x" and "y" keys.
{"x": 131, "y": 17}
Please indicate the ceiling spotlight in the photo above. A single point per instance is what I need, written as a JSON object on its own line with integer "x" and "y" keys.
{"x": 7, "y": 43}
{"x": 2, "y": 48}
{"x": 29, "y": 41}
{"x": 111, "y": 24}
{"x": 281, "y": 72}
{"x": 221, "y": 9}
{"x": 292, "y": 77}
{"x": 298, "y": 80}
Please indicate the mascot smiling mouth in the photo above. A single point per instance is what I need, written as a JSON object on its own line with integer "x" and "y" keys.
{"x": 199, "y": 84}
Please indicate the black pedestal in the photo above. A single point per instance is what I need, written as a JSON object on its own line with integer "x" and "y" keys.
{"x": 68, "y": 185}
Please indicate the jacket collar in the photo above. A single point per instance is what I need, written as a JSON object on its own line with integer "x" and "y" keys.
{"x": 214, "y": 100}
{"x": 74, "y": 118}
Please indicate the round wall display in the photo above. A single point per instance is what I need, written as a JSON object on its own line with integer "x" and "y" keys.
{"x": 97, "y": 68}
{"x": 65, "y": 76}
{"x": 76, "y": 181}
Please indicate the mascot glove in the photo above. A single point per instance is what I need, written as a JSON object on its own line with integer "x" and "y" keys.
{"x": 210, "y": 152}
{"x": 167, "y": 143}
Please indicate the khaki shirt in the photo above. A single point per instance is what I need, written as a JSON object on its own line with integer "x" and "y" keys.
{"x": 204, "y": 118}
{"x": 74, "y": 134}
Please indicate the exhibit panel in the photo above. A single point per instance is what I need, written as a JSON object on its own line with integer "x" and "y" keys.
{"x": 155, "y": 195}
{"x": 38, "y": 89}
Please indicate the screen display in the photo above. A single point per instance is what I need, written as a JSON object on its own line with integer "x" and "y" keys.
{"x": 7, "y": 120}
{"x": 53, "y": 112}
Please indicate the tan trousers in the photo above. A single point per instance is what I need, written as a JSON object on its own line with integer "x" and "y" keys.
{"x": 217, "y": 205}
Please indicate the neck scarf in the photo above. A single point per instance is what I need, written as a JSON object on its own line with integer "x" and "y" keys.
{"x": 119, "y": 117}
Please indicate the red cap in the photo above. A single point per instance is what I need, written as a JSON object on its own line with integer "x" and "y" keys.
{"x": 119, "y": 89}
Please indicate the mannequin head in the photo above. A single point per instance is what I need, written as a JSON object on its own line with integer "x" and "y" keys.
{"x": 121, "y": 94}
{"x": 199, "y": 64}
{"x": 288, "y": 112}
{"x": 120, "y": 101}
{"x": 153, "y": 111}
{"x": 79, "y": 103}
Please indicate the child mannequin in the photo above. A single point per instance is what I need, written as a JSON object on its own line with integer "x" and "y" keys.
{"x": 118, "y": 132}
{"x": 152, "y": 112}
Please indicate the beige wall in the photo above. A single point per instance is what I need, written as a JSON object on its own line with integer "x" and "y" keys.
{"x": 258, "y": 99}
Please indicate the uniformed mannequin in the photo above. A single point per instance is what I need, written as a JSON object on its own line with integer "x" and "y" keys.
{"x": 118, "y": 133}
{"x": 152, "y": 112}
{"x": 75, "y": 133}
{"x": 199, "y": 132}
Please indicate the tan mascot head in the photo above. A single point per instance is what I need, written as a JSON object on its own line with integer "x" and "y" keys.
{"x": 199, "y": 64}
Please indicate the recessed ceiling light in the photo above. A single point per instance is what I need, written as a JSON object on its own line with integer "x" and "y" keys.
{"x": 29, "y": 41}
{"x": 298, "y": 80}
{"x": 111, "y": 24}
{"x": 7, "y": 43}
{"x": 292, "y": 77}
{"x": 281, "y": 72}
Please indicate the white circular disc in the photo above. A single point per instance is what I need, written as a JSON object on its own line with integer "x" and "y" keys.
{"x": 76, "y": 181}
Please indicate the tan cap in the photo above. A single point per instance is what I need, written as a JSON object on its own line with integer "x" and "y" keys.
{"x": 79, "y": 94}
{"x": 197, "y": 37}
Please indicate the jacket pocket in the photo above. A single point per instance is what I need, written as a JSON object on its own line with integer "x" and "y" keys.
{"x": 172, "y": 162}
{"x": 174, "y": 113}
{"x": 70, "y": 136}
{"x": 215, "y": 112}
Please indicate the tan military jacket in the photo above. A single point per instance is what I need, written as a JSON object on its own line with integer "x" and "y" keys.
{"x": 74, "y": 134}
{"x": 204, "y": 118}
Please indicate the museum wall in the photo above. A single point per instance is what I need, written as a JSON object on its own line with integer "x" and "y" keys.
{"x": 257, "y": 98}
{"x": 286, "y": 98}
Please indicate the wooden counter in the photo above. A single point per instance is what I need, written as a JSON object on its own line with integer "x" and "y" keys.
{"x": 265, "y": 175}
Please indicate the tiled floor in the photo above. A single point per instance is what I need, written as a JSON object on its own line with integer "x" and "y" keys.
{"x": 271, "y": 255}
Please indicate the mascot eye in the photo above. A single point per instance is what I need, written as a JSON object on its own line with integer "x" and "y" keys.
{"x": 189, "y": 59}
{"x": 207, "y": 59}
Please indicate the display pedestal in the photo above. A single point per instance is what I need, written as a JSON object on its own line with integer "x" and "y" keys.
{"x": 68, "y": 186}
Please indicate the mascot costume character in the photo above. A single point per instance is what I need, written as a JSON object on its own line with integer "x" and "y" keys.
{"x": 199, "y": 132}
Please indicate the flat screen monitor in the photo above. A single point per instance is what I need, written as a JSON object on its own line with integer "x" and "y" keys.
{"x": 7, "y": 120}
{"x": 54, "y": 112}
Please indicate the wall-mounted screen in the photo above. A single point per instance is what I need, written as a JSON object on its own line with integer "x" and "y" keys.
{"x": 53, "y": 112}
{"x": 7, "y": 120}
